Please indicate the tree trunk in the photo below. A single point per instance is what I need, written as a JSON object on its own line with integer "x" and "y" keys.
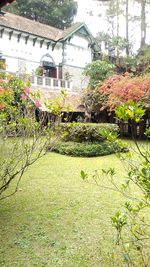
{"x": 127, "y": 27}
{"x": 143, "y": 22}
{"x": 88, "y": 114}
{"x": 117, "y": 59}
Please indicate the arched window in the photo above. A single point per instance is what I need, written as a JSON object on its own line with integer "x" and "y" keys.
{"x": 49, "y": 66}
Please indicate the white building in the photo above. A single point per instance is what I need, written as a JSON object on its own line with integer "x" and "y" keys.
{"x": 26, "y": 44}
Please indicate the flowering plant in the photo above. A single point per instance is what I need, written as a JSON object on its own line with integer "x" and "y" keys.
{"x": 120, "y": 89}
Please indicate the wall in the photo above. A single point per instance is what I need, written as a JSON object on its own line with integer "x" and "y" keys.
{"x": 76, "y": 52}
{"x": 26, "y": 57}
{"x": 75, "y": 75}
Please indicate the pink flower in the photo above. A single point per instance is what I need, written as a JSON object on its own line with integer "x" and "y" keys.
{"x": 38, "y": 103}
{"x": 27, "y": 90}
{"x": 23, "y": 96}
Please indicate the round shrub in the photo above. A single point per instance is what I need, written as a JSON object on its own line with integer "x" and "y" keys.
{"x": 81, "y": 132}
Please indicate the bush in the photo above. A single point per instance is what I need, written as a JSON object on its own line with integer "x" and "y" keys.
{"x": 85, "y": 149}
{"x": 82, "y": 132}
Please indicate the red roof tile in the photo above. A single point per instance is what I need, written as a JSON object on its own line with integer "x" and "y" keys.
{"x": 72, "y": 100}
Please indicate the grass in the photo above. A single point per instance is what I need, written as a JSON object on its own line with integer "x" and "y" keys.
{"x": 58, "y": 220}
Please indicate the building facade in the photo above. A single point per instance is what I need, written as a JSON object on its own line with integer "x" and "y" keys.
{"x": 29, "y": 47}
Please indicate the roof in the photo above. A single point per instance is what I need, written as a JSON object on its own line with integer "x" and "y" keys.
{"x": 5, "y": 2}
{"x": 72, "y": 100}
{"x": 25, "y": 25}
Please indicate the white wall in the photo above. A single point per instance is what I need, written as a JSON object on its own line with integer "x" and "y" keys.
{"x": 77, "y": 51}
{"x": 26, "y": 56}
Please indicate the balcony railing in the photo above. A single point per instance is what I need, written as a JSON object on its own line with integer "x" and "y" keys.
{"x": 51, "y": 83}
{"x": 42, "y": 81}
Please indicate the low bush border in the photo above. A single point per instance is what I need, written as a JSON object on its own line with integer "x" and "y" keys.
{"x": 86, "y": 149}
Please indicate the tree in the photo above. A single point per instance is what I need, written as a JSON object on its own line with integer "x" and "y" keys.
{"x": 142, "y": 60}
{"x": 115, "y": 43}
{"x": 97, "y": 72}
{"x": 23, "y": 137}
{"x": 59, "y": 13}
{"x": 112, "y": 43}
{"x": 127, "y": 27}
{"x": 143, "y": 22}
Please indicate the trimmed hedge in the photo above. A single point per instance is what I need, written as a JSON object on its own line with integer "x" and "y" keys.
{"x": 82, "y": 132}
{"x": 86, "y": 139}
{"x": 85, "y": 149}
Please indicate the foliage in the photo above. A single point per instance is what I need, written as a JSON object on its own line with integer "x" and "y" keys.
{"x": 2, "y": 64}
{"x": 57, "y": 106}
{"x": 138, "y": 64}
{"x": 119, "y": 42}
{"x": 92, "y": 99}
{"x": 120, "y": 89}
{"x": 82, "y": 132}
{"x": 85, "y": 149}
{"x": 97, "y": 71}
{"x": 58, "y": 13}
{"x": 130, "y": 111}
{"x": 112, "y": 42}
{"x": 138, "y": 226}
{"x": 39, "y": 71}
{"x": 20, "y": 131}
{"x": 86, "y": 139}
{"x": 129, "y": 64}
{"x": 132, "y": 227}
{"x": 143, "y": 59}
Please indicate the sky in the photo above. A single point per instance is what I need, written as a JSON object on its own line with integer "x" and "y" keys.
{"x": 97, "y": 21}
{"x": 94, "y": 19}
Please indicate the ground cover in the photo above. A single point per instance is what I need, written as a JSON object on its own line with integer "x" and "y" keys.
{"x": 57, "y": 219}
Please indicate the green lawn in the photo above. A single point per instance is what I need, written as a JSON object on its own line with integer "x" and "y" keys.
{"x": 58, "y": 220}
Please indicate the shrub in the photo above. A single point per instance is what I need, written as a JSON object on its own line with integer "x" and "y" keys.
{"x": 85, "y": 149}
{"x": 81, "y": 132}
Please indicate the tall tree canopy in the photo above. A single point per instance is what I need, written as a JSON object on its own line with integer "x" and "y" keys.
{"x": 57, "y": 13}
{"x": 131, "y": 12}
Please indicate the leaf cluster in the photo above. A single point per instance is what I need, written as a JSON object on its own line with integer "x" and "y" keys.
{"x": 82, "y": 132}
{"x": 98, "y": 71}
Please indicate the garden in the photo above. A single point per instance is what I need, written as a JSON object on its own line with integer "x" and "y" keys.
{"x": 58, "y": 219}
{"x": 76, "y": 192}
{"x": 73, "y": 194}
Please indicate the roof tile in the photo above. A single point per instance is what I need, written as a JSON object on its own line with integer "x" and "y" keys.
{"x": 23, "y": 24}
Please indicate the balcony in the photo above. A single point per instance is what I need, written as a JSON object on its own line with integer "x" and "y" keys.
{"x": 41, "y": 82}
{"x": 50, "y": 83}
